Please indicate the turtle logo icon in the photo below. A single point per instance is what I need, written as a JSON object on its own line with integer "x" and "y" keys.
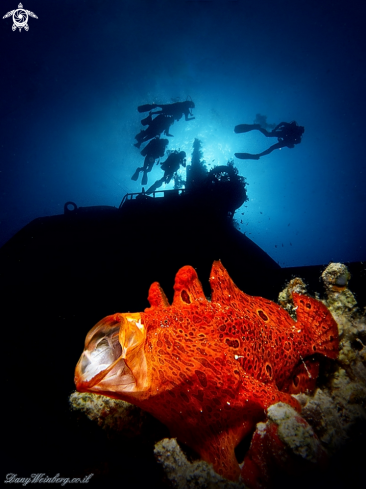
{"x": 20, "y": 18}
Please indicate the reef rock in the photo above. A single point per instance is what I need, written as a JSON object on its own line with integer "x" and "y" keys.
{"x": 183, "y": 474}
{"x": 285, "y": 296}
{"x": 286, "y": 442}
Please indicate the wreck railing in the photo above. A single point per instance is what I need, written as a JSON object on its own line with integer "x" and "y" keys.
{"x": 158, "y": 194}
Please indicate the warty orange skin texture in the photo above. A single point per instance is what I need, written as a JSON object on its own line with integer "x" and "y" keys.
{"x": 206, "y": 369}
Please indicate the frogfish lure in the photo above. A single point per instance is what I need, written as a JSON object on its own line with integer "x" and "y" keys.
{"x": 208, "y": 369}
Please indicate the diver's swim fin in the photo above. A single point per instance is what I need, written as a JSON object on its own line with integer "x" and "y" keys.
{"x": 146, "y": 107}
{"x": 156, "y": 185}
{"x": 246, "y": 127}
{"x": 136, "y": 175}
{"x": 246, "y": 156}
{"x": 144, "y": 179}
{"x": 147, "y": 121}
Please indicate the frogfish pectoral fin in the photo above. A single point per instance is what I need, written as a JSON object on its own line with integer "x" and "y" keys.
{"x": 222, "y": 456}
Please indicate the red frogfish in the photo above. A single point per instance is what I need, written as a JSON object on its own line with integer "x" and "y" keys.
{"x": 208, "y": 369}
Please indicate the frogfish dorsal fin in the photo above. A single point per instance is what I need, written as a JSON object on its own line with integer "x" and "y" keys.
{"x": 224, "y": 291}
{"x": 157, "y": 297}
{"x": 187, "y": 287}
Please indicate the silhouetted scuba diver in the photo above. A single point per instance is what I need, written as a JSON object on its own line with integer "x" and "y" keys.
{"x": 160, "y": 124}
{"x": 170, "y": 166}
{"x": 288, "y": 134}
{"x": 262, "y": 121}
{"x": 154, "y": 149}
{"x": 176, "y": 110}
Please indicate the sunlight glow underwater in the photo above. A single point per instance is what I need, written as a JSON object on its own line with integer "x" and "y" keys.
{"x": 91, "y": 158}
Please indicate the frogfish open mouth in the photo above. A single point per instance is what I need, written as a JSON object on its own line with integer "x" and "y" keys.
{"x": 208, "y": 369}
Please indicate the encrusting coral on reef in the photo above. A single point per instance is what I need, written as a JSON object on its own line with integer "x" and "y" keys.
{"x": 340, "y": 299}
{"x": 110, "y": 414}
{"x": 337, "y": 408}
{"x": 285, "y": 296}
{"x": 287, "y": 440}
